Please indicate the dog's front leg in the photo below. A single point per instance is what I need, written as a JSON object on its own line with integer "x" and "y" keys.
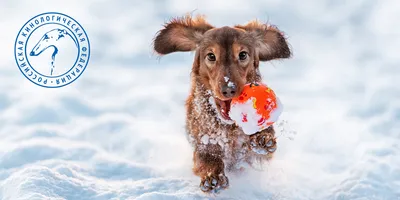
{"x": 208, "y": 165}
{"x": 263, "y": 142}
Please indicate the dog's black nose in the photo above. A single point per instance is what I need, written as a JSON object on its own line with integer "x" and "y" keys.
{"x": 228, "y": 91}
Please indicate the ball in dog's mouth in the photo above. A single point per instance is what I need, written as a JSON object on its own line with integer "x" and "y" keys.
{"x": 224, "y": 107}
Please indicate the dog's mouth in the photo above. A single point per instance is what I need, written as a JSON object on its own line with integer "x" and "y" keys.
{"x": 224, "y": 106}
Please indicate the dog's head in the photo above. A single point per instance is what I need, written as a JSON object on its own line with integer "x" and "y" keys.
{"x": 226, "y": 58}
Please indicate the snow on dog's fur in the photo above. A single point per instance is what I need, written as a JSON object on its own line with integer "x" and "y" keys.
{"x": 226, "y": 59}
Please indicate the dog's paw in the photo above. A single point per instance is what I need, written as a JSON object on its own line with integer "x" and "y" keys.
{"x": 263, "y": 143}
{"x": 214, "y": 183}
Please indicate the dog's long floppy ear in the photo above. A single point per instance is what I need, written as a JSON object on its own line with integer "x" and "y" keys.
{"x": 181, "y": 34}
{"x": 271, "y": 43}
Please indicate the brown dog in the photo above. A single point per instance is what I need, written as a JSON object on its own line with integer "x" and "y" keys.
{"x": 226, "y": 59}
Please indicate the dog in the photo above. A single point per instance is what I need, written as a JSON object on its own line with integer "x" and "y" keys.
{"x": 51, "y": 38}
{"x": 225, "y": 59}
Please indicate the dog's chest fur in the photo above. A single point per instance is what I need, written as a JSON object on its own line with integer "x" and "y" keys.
{"x": 209, "y": 133}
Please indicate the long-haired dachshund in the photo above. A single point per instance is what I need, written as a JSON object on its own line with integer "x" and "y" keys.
{"x": 225, "y": 60}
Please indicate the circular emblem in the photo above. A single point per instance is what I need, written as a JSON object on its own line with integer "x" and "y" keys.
{"x": 52, "y": 50}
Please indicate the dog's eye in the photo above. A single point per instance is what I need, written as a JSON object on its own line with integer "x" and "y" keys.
{"x": 242, "y": 55}
{"x": 211, "y": 57}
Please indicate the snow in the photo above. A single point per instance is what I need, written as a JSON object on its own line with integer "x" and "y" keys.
{"x": 230, "y": 83}
{"x": 277, "y": 112}
{"x": 226, "y": 79}
{"x": 118, "y": 131}
{"x": 237, "y": 111}
{"x": 205, "y": 139}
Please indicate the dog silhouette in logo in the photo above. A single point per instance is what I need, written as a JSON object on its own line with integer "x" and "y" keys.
{"x": 51, "y": 39}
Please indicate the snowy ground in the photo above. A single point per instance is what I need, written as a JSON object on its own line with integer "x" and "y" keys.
{"x": 117, "y": 132}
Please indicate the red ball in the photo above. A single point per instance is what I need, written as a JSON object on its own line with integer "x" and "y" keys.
{"x": 256, "y": 108}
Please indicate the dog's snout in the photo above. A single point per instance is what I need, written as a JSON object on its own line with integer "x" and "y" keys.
{"x": 228, "y": 91}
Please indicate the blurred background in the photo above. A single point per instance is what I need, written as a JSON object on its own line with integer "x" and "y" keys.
{"x": 118, "y": 131}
